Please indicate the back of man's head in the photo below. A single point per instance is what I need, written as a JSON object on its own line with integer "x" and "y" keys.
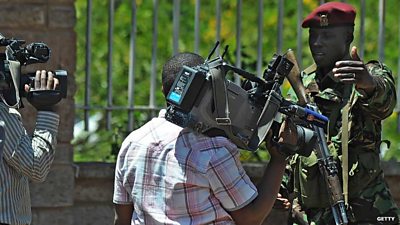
{"x": 175, "y": 64}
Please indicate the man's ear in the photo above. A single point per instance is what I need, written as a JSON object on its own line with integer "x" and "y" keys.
{"x": 163, "y": 91}
{"x": 350, "y": 35}
{"x": 350, "y": 38}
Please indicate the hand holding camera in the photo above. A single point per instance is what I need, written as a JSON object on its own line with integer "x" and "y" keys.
{"x": 43, "y": 94}
{"x": 42, "y": 89}
{"x": 287, "y": 138}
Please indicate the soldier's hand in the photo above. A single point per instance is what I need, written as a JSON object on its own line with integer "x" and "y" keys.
{"x": 281, "y": 203}
{"x": 355, "y": 72}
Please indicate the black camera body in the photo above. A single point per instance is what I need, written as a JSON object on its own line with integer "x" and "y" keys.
{"x": 12, "y": 81}
{"x": 203, "y": 99}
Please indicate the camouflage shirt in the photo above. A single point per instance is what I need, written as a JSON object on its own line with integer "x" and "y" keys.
{"x": 365, "y": 116}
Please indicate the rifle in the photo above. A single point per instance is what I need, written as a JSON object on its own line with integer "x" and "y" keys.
{"x": 327, "y": 165}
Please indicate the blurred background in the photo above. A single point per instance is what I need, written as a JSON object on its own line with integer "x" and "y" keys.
{"x": 122, "y": 46}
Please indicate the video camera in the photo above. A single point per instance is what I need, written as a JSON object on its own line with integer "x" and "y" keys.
{"x": 12, "y": 83}
{"x": 202, "y": 98}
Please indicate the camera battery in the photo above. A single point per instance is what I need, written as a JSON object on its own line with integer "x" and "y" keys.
{"x": 185, "y": 88}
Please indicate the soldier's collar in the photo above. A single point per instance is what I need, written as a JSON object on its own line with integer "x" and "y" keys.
{"x": 326, "y": 80}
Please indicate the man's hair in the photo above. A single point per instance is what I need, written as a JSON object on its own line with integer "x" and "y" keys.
{"x": 175, "y": 64}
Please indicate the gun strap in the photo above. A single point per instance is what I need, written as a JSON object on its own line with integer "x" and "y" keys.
{"x": 312, "y": 68}
{"x": 348, "y": 96}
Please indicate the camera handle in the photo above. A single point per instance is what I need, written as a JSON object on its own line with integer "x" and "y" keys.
{"x": 43, "y": 99}
{"x": 245, "y": 74}
{"x": 61, "y": 75}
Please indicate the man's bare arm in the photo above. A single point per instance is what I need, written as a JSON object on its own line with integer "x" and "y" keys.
{"x": 123, "y": 214}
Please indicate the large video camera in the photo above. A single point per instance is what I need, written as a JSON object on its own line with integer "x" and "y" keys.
{"x": 12, "y": 81}
{"x": 202, "y": 98}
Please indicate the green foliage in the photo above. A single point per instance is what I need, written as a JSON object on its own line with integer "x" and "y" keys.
{"x": 390, "y": 133}
{"x": 98, "y": 144}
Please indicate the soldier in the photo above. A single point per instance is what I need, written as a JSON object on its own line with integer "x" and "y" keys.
{"x": 340, "y": 79}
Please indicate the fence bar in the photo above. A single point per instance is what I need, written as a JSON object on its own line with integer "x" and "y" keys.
{"x": 280, "y": 26}
{"x": 238, "y": 62}
{"x": 120, "y": 107}
{"x": 299, "y": 33}
{"x": 381, "y": 37}
{"x": 260, "y": 23}
{"x": 131, "y": 74}
{"x": 88, "y": 62}
{"x": 110, "y": 62}
{"x": 109, "y": 107}
{"x": 361, "y": 48}
{"x": 176, "y": 19}
{"x": 197, "y": 26}
{"x": 218, "y": 24}
{"x": 152, "y": 101}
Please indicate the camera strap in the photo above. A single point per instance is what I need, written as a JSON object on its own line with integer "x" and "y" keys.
{"x": 16, "y": 76}
{"x": 14, "y": 100}
{"x": 221, "y": 105}
{"x": 220, "y": 96}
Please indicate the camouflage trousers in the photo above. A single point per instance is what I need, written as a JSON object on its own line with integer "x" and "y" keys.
{"x": 374, "y": 206}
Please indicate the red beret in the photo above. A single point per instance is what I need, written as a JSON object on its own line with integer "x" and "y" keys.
{"x": 331, "y": 14}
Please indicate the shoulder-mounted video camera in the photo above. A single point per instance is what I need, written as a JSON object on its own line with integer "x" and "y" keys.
{"x": 202, "y": 98}
{"x": 12, "y": 81}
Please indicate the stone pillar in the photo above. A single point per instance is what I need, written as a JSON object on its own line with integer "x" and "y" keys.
{"x": 51, "y": 22}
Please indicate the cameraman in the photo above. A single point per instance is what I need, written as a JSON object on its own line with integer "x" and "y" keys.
{"x": 166, "y": 174}
{"x": 25, "y": 158}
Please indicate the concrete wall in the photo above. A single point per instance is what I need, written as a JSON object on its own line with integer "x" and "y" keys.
{"x": 94, "y": 187}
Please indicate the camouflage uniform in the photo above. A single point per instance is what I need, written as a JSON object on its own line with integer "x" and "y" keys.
{"x": 369, "y": 195}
